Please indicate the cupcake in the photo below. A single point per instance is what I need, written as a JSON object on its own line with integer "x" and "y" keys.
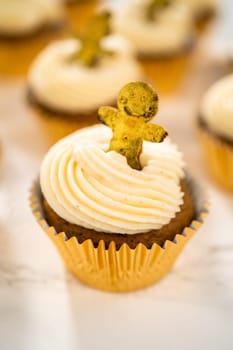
{"x": 215, "y": 127}
{"x": 115, "y": 199}
{"x": 27, "y": 26}
{"x": 162, "y": 33}
{"x": 79, "y": 12}
{"x": 72, "y": 78}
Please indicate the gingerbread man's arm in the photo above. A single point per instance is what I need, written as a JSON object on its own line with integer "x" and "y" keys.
{"x": 108, "y": 116}
{"x": 153, "y": 133}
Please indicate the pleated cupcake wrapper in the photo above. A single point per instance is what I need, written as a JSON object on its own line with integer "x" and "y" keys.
{"x": 166, "y": 73}
{"x": 16, "y": 56}
{"x": 218, "y": 157}
{"x": 79, "y": 14}
{"x": 57, "y": 127}
{"x": 120, "y": 270}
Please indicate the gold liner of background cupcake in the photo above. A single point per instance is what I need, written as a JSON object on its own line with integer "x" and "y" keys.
{"x": 56, "y": 126}
{"x": 79, "y": 13}
{"x": 215, "y": 133}
{"x": 218, "y": 158}
{"x": 19, "y": 46}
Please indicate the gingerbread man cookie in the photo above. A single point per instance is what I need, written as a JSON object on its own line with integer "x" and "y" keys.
{"x": 137, "y": 104}
{"x": 91, "y": 49}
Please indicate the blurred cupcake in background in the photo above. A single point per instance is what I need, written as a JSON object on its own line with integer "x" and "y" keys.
{"x": 79, "y": 12}
{"x": 215, "y": 129}
{"x": 71, "y": 78}
{"x": 162, "y": 33}
{"x": 26, "y": 26}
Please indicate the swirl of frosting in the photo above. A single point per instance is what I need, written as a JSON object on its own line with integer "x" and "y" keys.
{"x": 19, "y": 17}
{"x": 95, "y": 189}
{"x": 72, "y": 87}
{"x": 170, "y": 31}
{"x": 217, "y": 107}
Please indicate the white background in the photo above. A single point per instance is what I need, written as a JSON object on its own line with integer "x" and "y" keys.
{"x": 43, "y": 307}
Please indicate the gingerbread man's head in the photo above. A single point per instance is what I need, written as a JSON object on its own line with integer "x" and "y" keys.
{"x": 138, "y": 99}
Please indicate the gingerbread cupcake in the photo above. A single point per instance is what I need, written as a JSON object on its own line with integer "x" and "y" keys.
{"x": 215, "y": 129}
{"x": 71, "y": 79}
{"x": 26, "y": 27}
{"x": 162, "y": 33}
{"x": 115, "y": 199}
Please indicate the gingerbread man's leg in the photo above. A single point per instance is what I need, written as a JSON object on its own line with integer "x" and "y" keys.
{"x": 132, "y": 153}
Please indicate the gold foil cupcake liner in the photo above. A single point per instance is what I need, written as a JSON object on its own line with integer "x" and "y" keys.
{"x": 120, "y": 270}
{"x": 17, "y": 55}
{"x": 165, "y": 74}
{"x": 57, "y": 127}
{"x": 79, "y": 12}
{"x": 218, "y": 157}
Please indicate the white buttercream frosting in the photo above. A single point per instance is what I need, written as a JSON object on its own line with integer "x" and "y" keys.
{"x": 70, "y": 86}
{"x": 170, "y": 31}
{"x": 201, "y": 6}
{"x": 217, "y": 107}
{"x": 95, "y": 189}
{"x": 25, "y": 16}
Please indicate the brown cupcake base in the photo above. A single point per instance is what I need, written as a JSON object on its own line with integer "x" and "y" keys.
{"x": 167, "y": 232}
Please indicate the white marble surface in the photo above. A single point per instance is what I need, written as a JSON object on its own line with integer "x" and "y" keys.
{"x": 43, "y": 307}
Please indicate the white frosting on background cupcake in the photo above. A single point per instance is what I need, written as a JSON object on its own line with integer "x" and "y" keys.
{"x": 90, "y": 187}
{"x": 18, "y": 17}
{"x": 169, "y": 32}
{"x": 217, "y": 107}
{"x": 70, "y": 86}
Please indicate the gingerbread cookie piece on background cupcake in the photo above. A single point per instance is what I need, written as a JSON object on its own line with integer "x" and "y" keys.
{"x": 72, "y": 78}
{"x": 115, "y": 199}
{"x": 26, "y": 27}
{"x": 162, "y": 33}
{"x": 215, "y": 129}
